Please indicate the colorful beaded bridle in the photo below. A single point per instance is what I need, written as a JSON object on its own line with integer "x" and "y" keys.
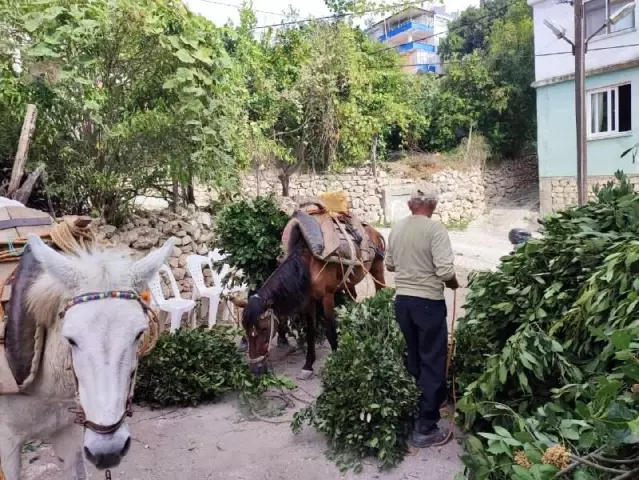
{"x": 81, "y": 418}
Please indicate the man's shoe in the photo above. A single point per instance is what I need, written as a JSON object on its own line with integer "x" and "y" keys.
{"x": 425, "y": 440}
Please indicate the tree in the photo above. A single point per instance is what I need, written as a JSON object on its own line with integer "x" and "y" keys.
{"x": 320, "y": 94}
{"x": 467, "y": 96}
{"x": 497, "y": 40}
{"x": 470, "y": 30}
{"x": 130, "y": 94}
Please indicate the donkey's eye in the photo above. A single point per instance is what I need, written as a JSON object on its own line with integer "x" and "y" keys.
{"x": 72, "y": 342}
{"x": 139, "y": 336}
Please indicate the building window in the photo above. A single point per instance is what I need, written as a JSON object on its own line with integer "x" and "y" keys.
{"x": 597, "y": 11}
{"x": 609, "y": 111}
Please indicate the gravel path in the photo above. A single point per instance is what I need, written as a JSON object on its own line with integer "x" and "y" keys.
{"x": 219, "y": 441}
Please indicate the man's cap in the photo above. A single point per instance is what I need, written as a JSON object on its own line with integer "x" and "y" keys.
{"x": 424, "y": 192}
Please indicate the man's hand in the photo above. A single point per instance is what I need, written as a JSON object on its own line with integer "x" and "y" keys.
{"x": 453, "y": 284}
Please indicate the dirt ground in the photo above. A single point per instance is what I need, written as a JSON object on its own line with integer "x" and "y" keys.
{"x": 221, "y": 441}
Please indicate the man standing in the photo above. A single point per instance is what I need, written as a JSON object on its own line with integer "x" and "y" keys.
{"x": 420, "y": 254}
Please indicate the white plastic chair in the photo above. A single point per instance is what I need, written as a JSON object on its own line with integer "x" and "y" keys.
{"x": 176, "y": 306}
{"x": 218, "y": 280}
{"x": 194, "y": 265}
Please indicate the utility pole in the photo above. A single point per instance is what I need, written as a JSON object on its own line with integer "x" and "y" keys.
{"x": 580, "y": 111}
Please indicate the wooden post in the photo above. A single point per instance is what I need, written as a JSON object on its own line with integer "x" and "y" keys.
{"x": 28, "y": 126}
{"x": 23, "y": 194}
{"x": 374, "y": 156}
{"x": 470, "y": 139}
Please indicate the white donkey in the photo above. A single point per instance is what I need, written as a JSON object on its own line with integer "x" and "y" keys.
{"x": 87, "y": 371}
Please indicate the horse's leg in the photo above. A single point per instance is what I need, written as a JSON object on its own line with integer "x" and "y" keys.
{"x": 67, "y": 444}
{"x": 310, "y": 317}
{"x": 328, "y": 303}
{"x": 282, "y": 330}
{"x": 10, "y": 458}
{"x": 377, "y": 272}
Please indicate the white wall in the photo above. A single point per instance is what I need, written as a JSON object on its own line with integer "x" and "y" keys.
{"x": 546, "y": 42}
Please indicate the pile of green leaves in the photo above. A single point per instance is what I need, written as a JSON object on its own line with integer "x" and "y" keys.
{"x": 547, "y": 351}
{"x": 189, "y": 367}
{"x": 250, "y": 233}
{"x": 368, "y": 398}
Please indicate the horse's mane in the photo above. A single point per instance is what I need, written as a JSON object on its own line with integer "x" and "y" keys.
{"x": 283, "y": 290}
{"x": 101, "y": 269}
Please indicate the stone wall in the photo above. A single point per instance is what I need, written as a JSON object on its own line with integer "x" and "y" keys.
{"x": 464, "y": 193}
{"x": 557, "y": 193}
{"x": 145, "y": 231}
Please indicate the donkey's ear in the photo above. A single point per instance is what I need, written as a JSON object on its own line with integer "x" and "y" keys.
{"x": 55, "y": 264}
{"x": 143, "y": 270}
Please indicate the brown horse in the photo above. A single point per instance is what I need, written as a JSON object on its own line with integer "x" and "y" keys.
{"x": 299, "y": 286}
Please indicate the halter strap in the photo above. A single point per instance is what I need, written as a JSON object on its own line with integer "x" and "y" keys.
{"x": 261, "y": 358}
{"x": 89, "y": 297}
{"x": 80, "y": 416}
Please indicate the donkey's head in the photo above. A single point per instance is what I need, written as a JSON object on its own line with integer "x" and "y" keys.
{"x": 103, "y": 335}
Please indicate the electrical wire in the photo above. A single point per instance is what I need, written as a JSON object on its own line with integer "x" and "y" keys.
{"x": 345, "y": 15}
{"x": 239, "y": 7}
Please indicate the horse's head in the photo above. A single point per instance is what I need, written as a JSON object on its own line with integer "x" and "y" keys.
{"x": 260, "y": 326}
{"x": 103, "y": 336}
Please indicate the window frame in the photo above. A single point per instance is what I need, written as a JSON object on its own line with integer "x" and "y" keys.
{"x": 607, "y": 33}
{"x": 608, "y": 133}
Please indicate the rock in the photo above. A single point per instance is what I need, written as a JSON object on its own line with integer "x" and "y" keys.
{"x": 108, "y": 231}
{"x": 203, "y": 218}
{"x": 179, "y": 273}
{"x": 128, "y": 238}
{"x": 147, "y": 239}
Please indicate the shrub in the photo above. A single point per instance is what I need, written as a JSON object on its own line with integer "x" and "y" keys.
{"x": 546, "y": 352}
{"x": 368, "y": 398}
{"x": 250, "y": 232}
{"x": 189, "y": 367}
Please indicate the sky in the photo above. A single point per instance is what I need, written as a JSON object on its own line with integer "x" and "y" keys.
{"x": 270, "y": 11}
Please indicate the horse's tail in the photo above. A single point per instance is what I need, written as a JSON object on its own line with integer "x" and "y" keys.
{"x": 380, "y": 252}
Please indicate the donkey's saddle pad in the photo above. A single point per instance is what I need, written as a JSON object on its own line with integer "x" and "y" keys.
{"x": 16, "y": 223}
{"x": 334, "y": 237}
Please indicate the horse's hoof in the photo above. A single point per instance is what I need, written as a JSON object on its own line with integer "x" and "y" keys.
{"x": 305, "y": 374}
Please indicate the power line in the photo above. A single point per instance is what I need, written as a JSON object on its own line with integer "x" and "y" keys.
{"x": 500, "y": 57}
{"x": 239, "y": 7}
{"x": 344, "y": 15}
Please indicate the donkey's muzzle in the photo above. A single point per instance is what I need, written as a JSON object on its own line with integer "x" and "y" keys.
{"x": 107, "y": 451}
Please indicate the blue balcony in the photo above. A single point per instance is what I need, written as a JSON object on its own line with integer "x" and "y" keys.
{"x": 407, "y": 47}
{"x": 427, "y": 68}
{"x": 405, "y": 28}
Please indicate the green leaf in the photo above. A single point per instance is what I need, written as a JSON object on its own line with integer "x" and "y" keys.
{"x": 33, "y": 21}
{"x": 203, "y": 55}
{"x": 621, "y": 339}
{"x": 522, "y": 473}
{"x": 184, "y": 56}
{"x": 42, "y": 50}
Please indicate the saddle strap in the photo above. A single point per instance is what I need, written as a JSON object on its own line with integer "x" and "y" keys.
{"x": 354, "y": 258}
{"x": 8, "y": 385}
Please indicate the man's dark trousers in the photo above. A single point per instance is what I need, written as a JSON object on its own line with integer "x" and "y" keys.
{"x": 423, "y": 323}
